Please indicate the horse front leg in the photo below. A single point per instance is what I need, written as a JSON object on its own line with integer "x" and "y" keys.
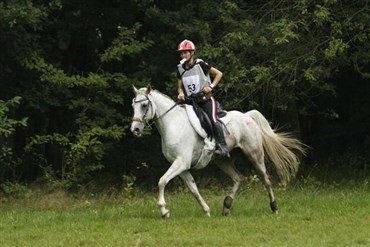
{"x": 189, "y": 181}
{"x": 175, "y": 169}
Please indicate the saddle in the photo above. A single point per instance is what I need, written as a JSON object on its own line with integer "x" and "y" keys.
{"x": 200, "y": 120}
{"x": 197, "y": 124}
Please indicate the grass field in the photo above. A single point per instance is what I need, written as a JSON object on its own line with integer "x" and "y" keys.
{"x": 308, "y": 216}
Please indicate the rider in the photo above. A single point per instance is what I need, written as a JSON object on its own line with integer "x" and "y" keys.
{"x": 194, "y": 77}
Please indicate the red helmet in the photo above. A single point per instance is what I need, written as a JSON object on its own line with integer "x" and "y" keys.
{"x": 186, "y": 45}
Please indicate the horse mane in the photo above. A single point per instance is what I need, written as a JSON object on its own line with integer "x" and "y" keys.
{"x": 144, "y": 91}
{"x": 164, "y": 95}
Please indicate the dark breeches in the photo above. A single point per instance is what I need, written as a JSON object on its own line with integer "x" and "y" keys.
{"x": 210, "y": 108}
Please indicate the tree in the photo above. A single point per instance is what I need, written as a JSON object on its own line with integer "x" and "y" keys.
{"x": 73, "y": 105}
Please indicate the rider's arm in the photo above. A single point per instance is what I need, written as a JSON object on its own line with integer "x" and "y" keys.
{"x": 217, "y": 75}
{"x": 180, "y": 90}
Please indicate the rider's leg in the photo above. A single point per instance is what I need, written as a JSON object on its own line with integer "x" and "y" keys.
{"x": 220, "y": 138}
{"x": 210, "y": 107}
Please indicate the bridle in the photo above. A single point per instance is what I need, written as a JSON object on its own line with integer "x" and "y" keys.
{"x": 135, "y": 119}
{"x": 145, "y": 121}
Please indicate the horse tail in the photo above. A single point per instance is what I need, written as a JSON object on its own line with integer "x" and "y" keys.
{"x": 278, "y": 147}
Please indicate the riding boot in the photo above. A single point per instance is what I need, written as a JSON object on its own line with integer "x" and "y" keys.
{"x": 222, "y": 150}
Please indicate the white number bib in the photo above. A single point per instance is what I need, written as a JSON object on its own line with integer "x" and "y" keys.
{"x": 191, "y": 84}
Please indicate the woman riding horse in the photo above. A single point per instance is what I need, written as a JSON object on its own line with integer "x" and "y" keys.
{"x": 194, "y": 78}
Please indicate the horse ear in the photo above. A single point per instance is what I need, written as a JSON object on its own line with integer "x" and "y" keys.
{"x": 135, "y": 90}
{"x": 148, "y": 89}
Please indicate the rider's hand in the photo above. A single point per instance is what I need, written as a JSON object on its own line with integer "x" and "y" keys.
{"x": 181, "y": 97}
{"x": 207, "y": 89}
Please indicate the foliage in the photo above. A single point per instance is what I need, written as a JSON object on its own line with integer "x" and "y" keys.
{"x": 7, "y": 125}
{"x": 8, "y": 159}
{"x": 82, "y": 111}
{"x": 125, "y": 44}
{"x": 80, "y": 155}
{"x": 15, "y": 190}
{"x": 285, "y": 52}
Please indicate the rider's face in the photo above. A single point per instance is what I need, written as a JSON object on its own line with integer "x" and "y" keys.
{"x": 185, "y": 54}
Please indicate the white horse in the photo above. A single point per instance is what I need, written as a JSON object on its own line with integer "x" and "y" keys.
{"x": 182, "y": 146}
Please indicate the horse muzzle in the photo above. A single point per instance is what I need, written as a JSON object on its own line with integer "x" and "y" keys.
{"x": 137, "y": 128}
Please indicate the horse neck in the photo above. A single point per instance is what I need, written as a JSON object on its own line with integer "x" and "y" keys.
{"x": 172, "y": 117}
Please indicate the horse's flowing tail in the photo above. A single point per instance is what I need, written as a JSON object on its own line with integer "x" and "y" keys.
{"x": 278, "y": 147}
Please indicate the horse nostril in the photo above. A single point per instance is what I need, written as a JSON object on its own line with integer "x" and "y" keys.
{"x": 136, "y": 132}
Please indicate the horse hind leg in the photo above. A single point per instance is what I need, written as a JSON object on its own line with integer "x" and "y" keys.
{"x": 257, "y": 159}
{"x": 227, "y": 166}
{"x": 261, "y": 168}
{"x": 189, "y": 181}
{"x": 268, "y": 185}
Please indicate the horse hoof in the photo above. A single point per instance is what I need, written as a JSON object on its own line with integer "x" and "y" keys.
{"x": 166, "y": 215}
{"x": 226, "y": 212}
{"x": 274, "y": 207}
{"x": 228, "y": 202}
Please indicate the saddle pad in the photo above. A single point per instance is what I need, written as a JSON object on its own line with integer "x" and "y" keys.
{"x": 194, "y": 120}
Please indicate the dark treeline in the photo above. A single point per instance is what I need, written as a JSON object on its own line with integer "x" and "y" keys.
{"x": 67, "y": 70}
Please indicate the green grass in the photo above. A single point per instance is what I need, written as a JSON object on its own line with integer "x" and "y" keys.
{"x": 308, "y": 216}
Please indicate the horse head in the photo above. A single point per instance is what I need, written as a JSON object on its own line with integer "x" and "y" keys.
{"x": 143, "y": 110}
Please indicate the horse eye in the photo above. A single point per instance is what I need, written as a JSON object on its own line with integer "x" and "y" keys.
{"x": 143, "y": 106}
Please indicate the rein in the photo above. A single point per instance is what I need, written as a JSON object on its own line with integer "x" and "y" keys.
{"x": 149, "y": 125}
{"x": 177, "y": 103}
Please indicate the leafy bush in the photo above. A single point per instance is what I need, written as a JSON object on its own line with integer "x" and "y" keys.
{"x": 80, "y": 155}
{"x": 13, "y": 189}
{"x": 7, "y": 128}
